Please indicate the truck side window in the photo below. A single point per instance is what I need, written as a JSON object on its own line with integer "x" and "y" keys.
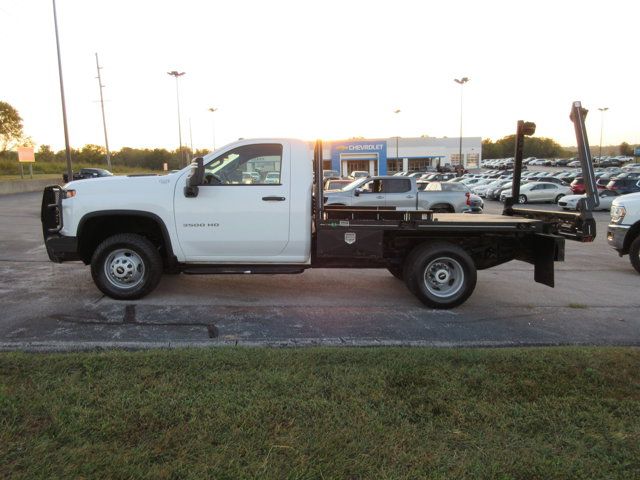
{"x": 373, "y": 186}
{"x": 256, "y": 164}
{"x": 400, "y": 185}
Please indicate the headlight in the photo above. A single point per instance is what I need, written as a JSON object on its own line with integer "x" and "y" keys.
{"x": 617, "y": 213}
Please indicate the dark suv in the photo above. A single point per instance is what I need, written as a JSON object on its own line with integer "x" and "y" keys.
{"x": 88, "y": 173}
{"x": 623, "y": 186}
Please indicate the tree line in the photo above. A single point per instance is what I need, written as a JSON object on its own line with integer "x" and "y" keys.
{"x": 541, "y": 147}
{"x": 143, "y": 158}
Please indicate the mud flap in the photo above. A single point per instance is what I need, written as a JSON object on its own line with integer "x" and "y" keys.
{"x": 546, "y": 250}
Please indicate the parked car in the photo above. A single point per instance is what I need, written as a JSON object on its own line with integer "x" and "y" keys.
{"x": 574, "y": 163}
{"x": 336, "y": 184}
{"x": 494, "y": 193}
{"x": 326, "y": 174}
{"x": 85, "y": 173}
{"x": 577, "y": 186}
{"x": 438, "y": 177}
{"x": 539, "y": 192}
{"x": 623, "y": 186}
{"x": 547, "y": 178}
{"x": 272, "y": 178}
{"x": 359, "y": 174}
{"x": 606, "y": 197}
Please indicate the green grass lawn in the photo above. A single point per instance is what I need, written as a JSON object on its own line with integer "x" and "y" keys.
{"x": 322, "y": 413}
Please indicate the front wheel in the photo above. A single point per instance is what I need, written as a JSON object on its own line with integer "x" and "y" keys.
{"x": 634, "y": 254}
{"x": 522, "y": 199}
{"x": 441, "y": 275}
{"x": 558, "y": 198}
{"x": 126, "y": 266}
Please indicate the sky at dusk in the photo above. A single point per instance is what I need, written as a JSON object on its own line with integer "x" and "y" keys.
{"x": 327, "y": 69}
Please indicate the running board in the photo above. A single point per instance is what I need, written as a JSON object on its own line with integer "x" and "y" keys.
{"x": 240, "y": 269}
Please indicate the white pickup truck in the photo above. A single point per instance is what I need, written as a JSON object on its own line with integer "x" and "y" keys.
{"x": 214, "y": 218}
{"x": 623, "y": 233}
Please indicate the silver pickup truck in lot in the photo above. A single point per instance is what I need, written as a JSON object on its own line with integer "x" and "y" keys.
{"x": 403, "y": 194}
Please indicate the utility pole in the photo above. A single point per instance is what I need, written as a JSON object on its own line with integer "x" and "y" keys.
{"x": 64, "y": 108}
{"x": 104, "y": 121}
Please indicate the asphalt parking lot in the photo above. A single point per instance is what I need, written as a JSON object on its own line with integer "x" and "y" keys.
{"x": 46, "y": 306}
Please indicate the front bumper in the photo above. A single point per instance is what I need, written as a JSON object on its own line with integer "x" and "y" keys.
{"x": 62, "y": 249}
{"x": 616, "y": 235}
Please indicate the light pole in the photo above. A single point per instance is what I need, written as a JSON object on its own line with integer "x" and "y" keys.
{"x": 602, "y": 110}
{"x": 176, "y": 74}
{"x": 64, "y": 108}
{"x": 213, "y": 124}
{"x": 397, "y": 141}
{"x": 461, "y": 81}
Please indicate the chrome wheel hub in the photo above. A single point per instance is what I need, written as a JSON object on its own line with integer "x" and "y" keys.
{"x": 444, "y": 277}
{"x": 124, "y": 268}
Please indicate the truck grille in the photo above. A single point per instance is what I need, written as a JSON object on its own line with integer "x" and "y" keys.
{"x": 51, "y": 210}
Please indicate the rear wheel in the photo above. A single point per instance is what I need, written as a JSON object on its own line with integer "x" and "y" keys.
{"x": 634, "y": 254}
{"x": 126, "y": 266}
{"x": 441, "y": 275}
{"x": 442, "y": 208}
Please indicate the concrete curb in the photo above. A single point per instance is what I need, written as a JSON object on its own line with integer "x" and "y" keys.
{"x": 73, "y": 346}
{"x": 7, "y": 187}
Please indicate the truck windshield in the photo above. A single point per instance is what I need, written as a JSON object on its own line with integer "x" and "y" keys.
{"x": 355, "y": 184}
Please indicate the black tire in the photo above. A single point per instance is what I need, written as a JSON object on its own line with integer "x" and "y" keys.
{"x": 558, "y": 198}
{"x": 442, "y": 208}
{"x": 634, "y": 253}
{"x": 454, "y": 263}
{"x": 522, "y": 199}
{"x": 396, "y": 271}
{"x": 134, "y": 263}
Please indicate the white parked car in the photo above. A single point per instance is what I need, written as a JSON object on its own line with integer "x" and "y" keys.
{"x": 539, "y": 192}
{"x": 272, "y": 178}
{"x": 570, "y": 202}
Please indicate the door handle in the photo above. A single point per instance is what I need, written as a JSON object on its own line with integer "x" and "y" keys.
{"x": 274, "y": 199}
{"x": 409, "y": 196}
{"x": 380, "y": 197}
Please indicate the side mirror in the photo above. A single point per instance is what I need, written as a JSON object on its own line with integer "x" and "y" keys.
{"x": 195, "y": 178}
{"x": 357, "y": 192}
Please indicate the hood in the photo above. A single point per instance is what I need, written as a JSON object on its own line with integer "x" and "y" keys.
{"x": 119, "y": 183}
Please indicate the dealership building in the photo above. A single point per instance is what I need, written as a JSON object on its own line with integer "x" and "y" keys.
{"x": 387, "y": 156}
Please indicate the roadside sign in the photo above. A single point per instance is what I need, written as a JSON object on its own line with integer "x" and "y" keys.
{"x": 636, "y": 152}
{"x": 25, "y": 155}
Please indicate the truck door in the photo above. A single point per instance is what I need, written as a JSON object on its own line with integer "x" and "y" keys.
{"x": 370, "y": 194}
{"x": 237, "y": 216}
{"x": 399, "y": 193}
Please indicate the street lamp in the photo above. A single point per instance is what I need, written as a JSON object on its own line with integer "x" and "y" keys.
{"x": 397, "y": 141}
{"x": 176, "y": 74}
{"x": 213, "y": 125}
{"x": 602, "y": 110}
{"x": 461, "y": 81}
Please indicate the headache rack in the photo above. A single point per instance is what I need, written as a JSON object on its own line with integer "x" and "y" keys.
{"x": 579, "y": 226}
